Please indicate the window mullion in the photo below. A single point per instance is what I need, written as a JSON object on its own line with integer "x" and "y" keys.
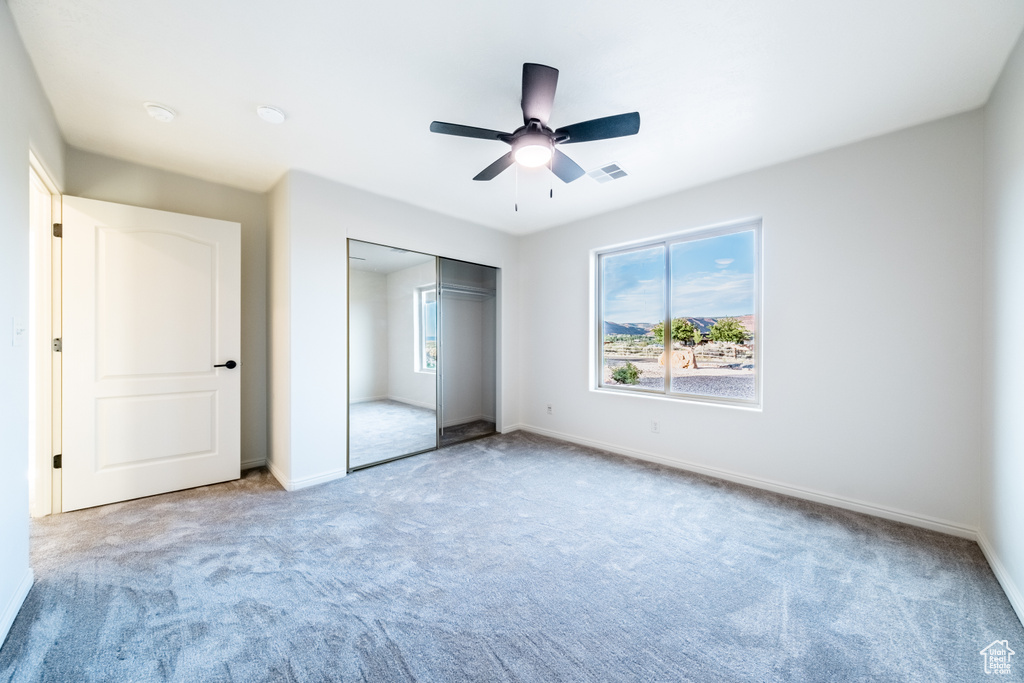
{"x": 667, "y": 336}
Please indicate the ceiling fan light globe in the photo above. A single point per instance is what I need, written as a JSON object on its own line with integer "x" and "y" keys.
{"x": 533, "y": 155}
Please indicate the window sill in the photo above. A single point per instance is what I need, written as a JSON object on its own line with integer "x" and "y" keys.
{"x": 682, "y": 398}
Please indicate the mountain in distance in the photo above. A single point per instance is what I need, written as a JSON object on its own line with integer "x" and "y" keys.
{"x": 635, "y": 329}
{"x": 702, "y": 324}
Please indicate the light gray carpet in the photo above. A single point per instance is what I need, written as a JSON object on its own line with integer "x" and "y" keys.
{"x": 510, "y": 558}
{"x": 380, "y": 430}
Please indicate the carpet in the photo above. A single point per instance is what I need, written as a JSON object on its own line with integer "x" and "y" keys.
{"x": 380, "y": 430}
{"x": 509, "y": 558}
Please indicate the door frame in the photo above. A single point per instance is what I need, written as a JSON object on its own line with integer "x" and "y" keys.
{"x": 45, "y": 323}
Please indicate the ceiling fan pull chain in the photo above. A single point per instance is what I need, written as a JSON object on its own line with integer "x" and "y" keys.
{"x": 517, "y": 188}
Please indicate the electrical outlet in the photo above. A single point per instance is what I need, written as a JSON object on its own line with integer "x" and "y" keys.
{"x": 655, "y": 427}
{"x": 19, "y": 332}
{"x": 550, "y": 410}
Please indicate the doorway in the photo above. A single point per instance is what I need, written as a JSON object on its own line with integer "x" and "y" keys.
{"x": 468, "y": 324}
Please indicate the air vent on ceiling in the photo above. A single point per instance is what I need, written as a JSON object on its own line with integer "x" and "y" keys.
{"x": 607, "y": 173}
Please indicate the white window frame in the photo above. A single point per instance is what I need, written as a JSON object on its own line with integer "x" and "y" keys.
{"x": 597, "y": 343}
{"x": 421, "y": 328}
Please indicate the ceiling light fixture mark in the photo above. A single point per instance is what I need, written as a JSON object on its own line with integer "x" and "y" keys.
{"x": 160, "y": 112}
{"x": 270, "y": 114}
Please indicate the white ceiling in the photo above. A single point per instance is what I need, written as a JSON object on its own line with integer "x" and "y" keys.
{"x": 378, "y": 258}
{"x": 722, "y": 87}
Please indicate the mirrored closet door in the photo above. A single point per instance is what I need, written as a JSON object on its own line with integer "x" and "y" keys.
{"x": 422, "y": 352}
{"x": 392, "y": 353}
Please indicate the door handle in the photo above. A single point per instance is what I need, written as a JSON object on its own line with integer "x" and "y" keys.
{"x": 230, "y": 365}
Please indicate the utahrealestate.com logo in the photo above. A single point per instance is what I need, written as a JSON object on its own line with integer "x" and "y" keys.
{"x": 997, "y": 657}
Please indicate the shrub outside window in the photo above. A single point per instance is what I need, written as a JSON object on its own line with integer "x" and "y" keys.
{"x": 703, "y": 287}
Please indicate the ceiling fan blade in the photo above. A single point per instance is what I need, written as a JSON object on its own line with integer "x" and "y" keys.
{"x": 539, "y": 84}
{"x": 601, "y": 129}
{"x": 494, "y": 169}
{"x": 565, "y": 168}
{"x": 466, "y": 131}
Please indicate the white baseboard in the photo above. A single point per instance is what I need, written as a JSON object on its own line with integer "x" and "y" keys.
{"x": 252, "y": 464}
{"x": 1013, "y": 593}
{"x": 296, "y": 484}
{"x": 12, "y": 608}
{"x": 924, "y": 521}
{"x": 278, "y": 474}
{"x": 464, "y": 420}
{"x": 409, "y": 401}
{"x": 370, "y": 399}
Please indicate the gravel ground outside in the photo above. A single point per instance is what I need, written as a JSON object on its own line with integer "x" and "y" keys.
{"x": 718, "y": 381}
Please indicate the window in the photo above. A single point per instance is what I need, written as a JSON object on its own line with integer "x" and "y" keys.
{"x": 426, "y": 329}
{"x": 703, "y": 286}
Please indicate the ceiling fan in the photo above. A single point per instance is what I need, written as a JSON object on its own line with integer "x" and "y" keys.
{"x": 534, "y": 143}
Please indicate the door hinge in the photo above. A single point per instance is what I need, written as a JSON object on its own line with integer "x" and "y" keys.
{"x": 58, "y": 230}
{"x": 56, "y": 461}
{"x": 57, "y": 345}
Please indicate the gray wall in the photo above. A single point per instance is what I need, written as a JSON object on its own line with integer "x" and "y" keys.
{"x": 312, "y": 217}
{"x": 883, "y": 238}
{"x": 872, "y": 289}
{"x": 1002, "y": 484}
{"x": 26, "y": 122}
{"x": 99, "y": 177}
{"x": 369, "y": 355}
{"x": 462, "y": 349}
{"x": 405, "y": 383}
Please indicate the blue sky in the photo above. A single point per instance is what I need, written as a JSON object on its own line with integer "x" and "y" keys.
{"x": 712, "y": 277}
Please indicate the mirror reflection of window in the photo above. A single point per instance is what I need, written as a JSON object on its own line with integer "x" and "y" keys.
{"x": 426, "y": 311}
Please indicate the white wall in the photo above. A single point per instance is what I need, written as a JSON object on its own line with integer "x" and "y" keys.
{"x": 468, "y": 342}
{"x": 405, "y": 383}
{"x": 462, "y": 358}
{"x": 1002, "y": 485}
{"x": 26, "y": 122}
{"x": 311, "y": 218}
{"x": 368, "y": 315}
{"x": 279, "y": 334}
{"x": 488, "y": 370}
{"x": 879, "y": 244}
{"x": 98, "y": 177}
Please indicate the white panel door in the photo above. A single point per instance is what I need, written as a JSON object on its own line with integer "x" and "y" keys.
{"x": 151, "y": 303}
